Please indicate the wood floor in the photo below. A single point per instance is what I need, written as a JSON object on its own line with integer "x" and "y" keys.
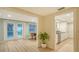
{"x": 21, "y": 46}
{"x": 65, "y": 46}
{"x": 31, "y": 46}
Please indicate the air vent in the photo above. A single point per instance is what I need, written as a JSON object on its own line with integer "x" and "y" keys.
{"x": 61, "y": 8}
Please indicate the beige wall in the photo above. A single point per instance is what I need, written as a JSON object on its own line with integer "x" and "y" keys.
{"x": 77, "y": 30}
{"x": 40, "y": 28}
{"x": 49, "y": 26}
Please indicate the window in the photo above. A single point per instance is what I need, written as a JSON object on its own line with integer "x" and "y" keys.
{"x": 10, "y": 30}
{"x": 19, "y": 30}
{"x": 32, "y": 28}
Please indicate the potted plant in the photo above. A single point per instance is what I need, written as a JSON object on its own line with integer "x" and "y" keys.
{"x": 43, "y": 36}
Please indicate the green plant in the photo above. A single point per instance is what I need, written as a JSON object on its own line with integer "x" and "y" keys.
{"x": 43, "y": 36}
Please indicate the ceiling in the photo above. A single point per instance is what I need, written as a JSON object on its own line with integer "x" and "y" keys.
{"x": 5, "y": 13}
{"x": 43, "y": 11}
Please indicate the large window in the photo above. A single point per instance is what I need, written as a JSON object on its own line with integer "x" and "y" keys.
{"x": 19, "y": 30}
{"x": 32, "y": 28}
{"x": 10, "y": 30}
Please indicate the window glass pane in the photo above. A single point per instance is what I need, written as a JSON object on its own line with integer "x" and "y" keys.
{"x": 19, "y": 29}
{"x": 32, "y": 28}
{"x": 10, "y": 30}
{"x": 10, "y": 27}
{"x": 10, "y": 34}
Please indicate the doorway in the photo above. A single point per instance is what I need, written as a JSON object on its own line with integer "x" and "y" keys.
{"x": 64, "y": 32}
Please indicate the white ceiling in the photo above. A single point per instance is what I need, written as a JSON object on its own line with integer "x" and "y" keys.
{"x": 43, "y": 11}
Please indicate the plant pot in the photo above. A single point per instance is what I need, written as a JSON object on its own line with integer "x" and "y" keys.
{"x": 43, "y": 45}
